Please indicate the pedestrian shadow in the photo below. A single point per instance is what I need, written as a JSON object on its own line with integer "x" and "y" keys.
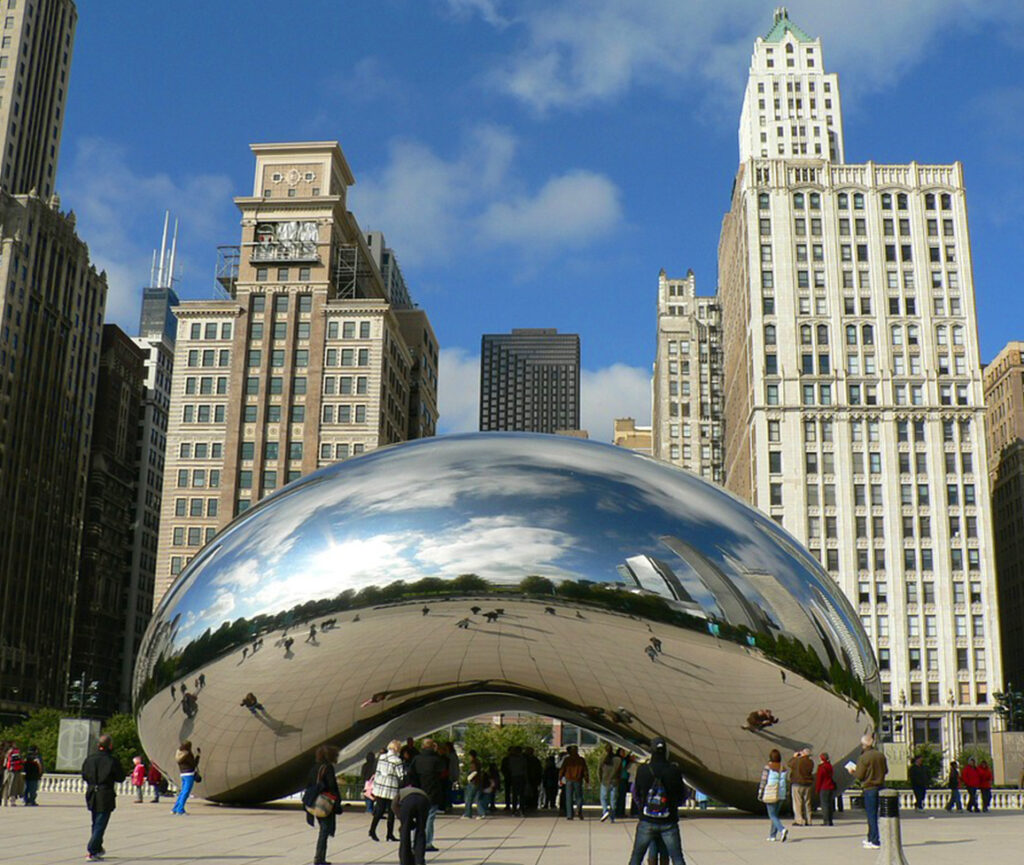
{"x": 279, "y": 728}
{"x": 936, "y": 843}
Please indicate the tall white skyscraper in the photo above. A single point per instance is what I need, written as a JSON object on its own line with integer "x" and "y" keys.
{"x": 854, "y": 412}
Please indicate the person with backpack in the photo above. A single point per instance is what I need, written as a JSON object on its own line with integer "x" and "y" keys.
{"x": 14, "y": 775}
{"x": 772, "y": 792}
{"x": 660, "y": 790}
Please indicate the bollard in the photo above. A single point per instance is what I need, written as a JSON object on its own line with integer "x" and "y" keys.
{"x": 889, "y": 829}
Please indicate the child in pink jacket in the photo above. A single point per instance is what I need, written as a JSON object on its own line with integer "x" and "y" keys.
{"x": 138, "y": 777}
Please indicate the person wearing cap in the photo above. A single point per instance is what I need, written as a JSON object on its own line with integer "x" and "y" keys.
{"x": 658, "y": 791}
{"x": 801, "y": 773}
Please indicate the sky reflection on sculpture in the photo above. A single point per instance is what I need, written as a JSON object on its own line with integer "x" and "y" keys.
{"x": 504, "y": 507}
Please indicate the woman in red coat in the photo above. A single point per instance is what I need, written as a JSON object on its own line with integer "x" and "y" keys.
{"x": 825, "y": 786}
{"x": 969, "y": 778}
{"x": 985, "y": 784}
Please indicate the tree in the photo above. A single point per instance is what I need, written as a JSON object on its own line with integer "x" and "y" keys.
{"x": 536, "y": 585}
{"x": 492, "y": 742}
{"x": 978, "y": 752}
{"x": 932, "y": 760}
{"x": 42, "y": 729}
{"x": 122, "y": 729}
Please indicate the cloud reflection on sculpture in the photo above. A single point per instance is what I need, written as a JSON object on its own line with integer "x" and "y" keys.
{"x": 544, "y": 528}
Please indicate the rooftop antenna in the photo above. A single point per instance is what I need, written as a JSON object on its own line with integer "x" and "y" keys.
{"x": 163, "y": 251}
{"x": 174, "y": 253}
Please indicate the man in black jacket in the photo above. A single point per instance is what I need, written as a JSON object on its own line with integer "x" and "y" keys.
{"x": 425, "y": 772}
{"x": 659, "y": 791}
{"x": 101, "y": 772}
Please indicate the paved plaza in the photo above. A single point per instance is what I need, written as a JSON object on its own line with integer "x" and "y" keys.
{"x": 56, "y": 832}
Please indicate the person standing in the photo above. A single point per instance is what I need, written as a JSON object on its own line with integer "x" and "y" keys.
{"x": 14, "y": 775}
{"x": 550, "y": 779}
{"x": 156, "y": 781}
{"x": 953, "y": 782}
{"x": 33, "y": 774}
{"x": 534, "y": 775}
{"x": 624, "y": 782}
{"x": 871, "y": 771}
{"x": 325, "y": 779}
{"x": 474, "y": 792}
{"x": 659, "y": 792}
{"x": 101, "y": 772}
{"x": 920, "y": 778}
{"x": 367, "y": 773}
{"x": 413, "y": 807}
{"x": 188, "y": 767}
{"x": 515, "y": 778}
{"x": 387, "y": 779}
{"x": 772, "y": 792}
{"x": 495, "y": 780}
{"x": 138, "y": 778}
{"x": 426, "y": 773}
{"x": 574, "y": 774}
{"x": 825, "y": 786}
{"x": 969, "y": 779}
{"x": 801, "y": 771}
{"x": 984, "y": 784}
{"x": 610, "y": 771}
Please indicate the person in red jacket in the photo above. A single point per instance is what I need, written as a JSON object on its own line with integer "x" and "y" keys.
{"x": 969, "y": 778}
{"x": 138, "y": 778}
{"x": 985, "y": 784}
{"x": 156, "y": 781}
{"x": 825, "y": 787}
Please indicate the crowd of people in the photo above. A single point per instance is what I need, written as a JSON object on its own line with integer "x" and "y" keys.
{"x": 20, "y": 774}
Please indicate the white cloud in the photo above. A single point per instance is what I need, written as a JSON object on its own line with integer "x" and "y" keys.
{"x": 432, "y": 207}
{"x": 605, "y": 394}
{"x": 571, "y": 209}
{"x": 112, "y": 199}
{"x": 487, "y": 9}
{"x": 573, "y": 52}
{"x": 613, "y": 392}
{"x": 458, "y": 391}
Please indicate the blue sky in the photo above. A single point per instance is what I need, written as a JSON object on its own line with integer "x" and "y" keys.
{"x": 533, "y": 164}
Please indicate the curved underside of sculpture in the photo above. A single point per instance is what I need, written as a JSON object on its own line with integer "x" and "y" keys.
{"x": 423, "y": 584}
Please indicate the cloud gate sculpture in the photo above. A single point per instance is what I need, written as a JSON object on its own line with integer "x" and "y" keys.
{"x": 426, "y": 583}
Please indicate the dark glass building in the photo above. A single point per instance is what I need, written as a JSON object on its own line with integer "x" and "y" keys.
{"x": 530, "y": 381}
{"x": 157, "y": 318}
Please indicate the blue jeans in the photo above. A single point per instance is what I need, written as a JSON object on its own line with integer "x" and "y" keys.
{"x": 429, "y": 825}
{"x": 99, "y": 826}
{"x": 608, "y": 796}
{"x": 188, "y": 781}
{"x": 666, "y": 833}
{"x": 474, "y": 795}
{"x": 573, "y": 797}
{"x": 871, "y": 808}
{"x": 773, "y": 815}
{"x": 31, "y": 791}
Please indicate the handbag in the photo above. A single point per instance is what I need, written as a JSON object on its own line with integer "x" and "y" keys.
{"x": 317, "y": 801}
{"x": 197, "y": 777}
{"x": 771, "y": 792}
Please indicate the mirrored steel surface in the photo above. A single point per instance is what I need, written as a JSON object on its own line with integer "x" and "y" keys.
{"x": 422, "y": 584}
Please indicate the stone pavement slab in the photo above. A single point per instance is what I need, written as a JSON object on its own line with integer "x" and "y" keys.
{"x": 276, "y": 834}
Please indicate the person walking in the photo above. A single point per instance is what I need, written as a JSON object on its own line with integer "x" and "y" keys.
{"x": 953, "y": 782}
{"x": 772, "y": 792}
{"x": 920, "y": 778}
{"x": 801, "y": 773}
{"x": 495, "y": 779}
{"x": 323, "y": 777}
{"x": 387, "y": 778}
{"x": 871, "y": 771}
{"x": 426, "y": 772}
{"x": 610, "y": 772}
{"x": 969, "y": 779}
{"x": 534, "y": 776}
{"x": 188, "y": 768}
{"x": 516, "y": 779}
{"x": 101, "y": 772}
{"x": 659, "y": 792}
{"x": 474, "y": 793}
{"x": 825, "y": 787}
{"x": 413, "y": 807}
{"x": 984, "y": 784}
{"x": 138, "y": 778}
{"x": 574, "y": 774}
{"x": 624, "y": 782}
{"x": 33, "y": 775}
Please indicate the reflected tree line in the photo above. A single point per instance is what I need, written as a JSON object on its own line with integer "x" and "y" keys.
{"x": 788, "y": 652}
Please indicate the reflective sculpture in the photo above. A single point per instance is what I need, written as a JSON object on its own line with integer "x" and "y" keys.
{"x": 419, "y": 585}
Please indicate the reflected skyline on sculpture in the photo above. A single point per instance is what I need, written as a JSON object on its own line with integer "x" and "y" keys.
{"x": 517, "y": 518}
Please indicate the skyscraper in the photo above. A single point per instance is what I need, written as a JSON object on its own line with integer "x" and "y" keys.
{"x": 313, "y": 357}
{"x": 1004, "y": 397}
{"x": 35, "y": 62}
{"x": 687, "y": 391}
{"x": 854, "y": 412}
{"x": 104, "y": 576}
{"x": 51, "y": 317}
{"x": 530, "y": 381}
